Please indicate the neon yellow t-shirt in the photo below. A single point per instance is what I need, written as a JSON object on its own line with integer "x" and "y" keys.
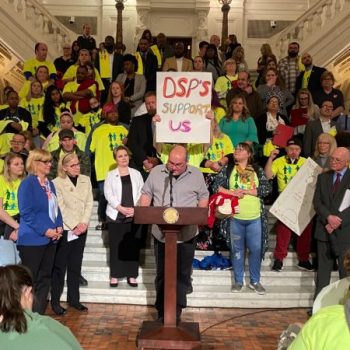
{"x": 223, "y": 83}
{"x": 1, "y": 166}
{"x": 73, "y": 86}
{"x": 3, "y": 106}
{"x": 219, "y": 148}
{"x": 71, "y": 73}
{"x": 219, "y": 113}
{"x": 306, "y": 78}
{"x": 104, "y": 139}
{"x": 8, "y": 194}
{"x": 35, "y": 107}
{"x": 249, "y": 206}
{"x": 194, "y": 151}
{"x": 78, "y": 135}
{"x": 5, "y": 143}
{"x": 33, "y": 64}
{"x": 90, "y": 119}
{"x": 105, "y": 67}
{"x": 285, "y": 171}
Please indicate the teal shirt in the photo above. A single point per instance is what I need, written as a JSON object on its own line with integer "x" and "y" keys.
{"x": 239, "y": 131}
{"x": 43, "y": 333}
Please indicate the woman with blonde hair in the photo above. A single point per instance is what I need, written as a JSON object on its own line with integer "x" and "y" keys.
{"x": 122, "y": 190}
{"x": 238, "y": 124}
{"x": 74, "y": 195}
{"x": 116, "y": 96}
{"x": 10, "y": 180}
{"x": 325, "y": 145}
{"x": 238, "y": 56}
{"x": 227, "y": 81}
{"x": 41, "y": 224}
{"x": 304, "y": 100}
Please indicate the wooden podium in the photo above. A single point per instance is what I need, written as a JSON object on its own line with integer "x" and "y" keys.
{"x": 155, "y": 334}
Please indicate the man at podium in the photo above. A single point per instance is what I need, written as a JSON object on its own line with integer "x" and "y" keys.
{"x": 180, "y": 185}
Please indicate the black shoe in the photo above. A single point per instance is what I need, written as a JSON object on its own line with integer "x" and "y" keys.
{"x": 101, "y": 226}
{"x": 113, "y": 285}
{"x": 79, "y": 307}
{"x": 277, "y": 266}
{"x": 189, "y": 289}
{"x": 58, "y": 310}
{"x": 131, "y": 284}
{"x": 305, "y": 266}
{"x": 82, "y": 281}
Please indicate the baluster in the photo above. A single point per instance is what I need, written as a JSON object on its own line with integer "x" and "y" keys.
{"x": 38, "y": 19}
{"x": 29, "y": 12}
{"x": 300, "y": 36}
{"x": 318, "y": 17}
{"x": 337, "y": 5}
{"x": 309, "y": 24}
{"x": 45, "y": 25}
{"x": 329, "y": 9}
{"x": 19, "y": 6}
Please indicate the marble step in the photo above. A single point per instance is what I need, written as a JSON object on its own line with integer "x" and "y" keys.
{"x": 100, "y": 253}
{"x": 202, "y": 296}
{"x": 290, "y": 276}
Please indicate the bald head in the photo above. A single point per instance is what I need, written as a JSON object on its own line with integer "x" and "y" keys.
{"x": 177, "y": 161}
{"x": 340, "y": 159}
{"x": 306, "y": 59}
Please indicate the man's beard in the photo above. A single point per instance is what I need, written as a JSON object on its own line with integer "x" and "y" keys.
{"x": 152, "y": 112}
{"x": 292, "y": 54}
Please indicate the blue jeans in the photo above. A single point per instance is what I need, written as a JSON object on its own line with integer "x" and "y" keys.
{"x": 246, "y": 234}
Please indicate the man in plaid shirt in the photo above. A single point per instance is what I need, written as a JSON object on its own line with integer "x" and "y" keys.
{"x": 289, "y": 67}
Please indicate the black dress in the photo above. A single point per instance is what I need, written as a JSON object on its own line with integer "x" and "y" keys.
{"x": 124, "y": 238}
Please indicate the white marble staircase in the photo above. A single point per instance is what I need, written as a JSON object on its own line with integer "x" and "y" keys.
{"x": 289, "y": 288}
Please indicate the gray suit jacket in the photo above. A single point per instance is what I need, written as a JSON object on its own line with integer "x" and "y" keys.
{"x": 139, "y": 90}
{"x": 326, "y": 204}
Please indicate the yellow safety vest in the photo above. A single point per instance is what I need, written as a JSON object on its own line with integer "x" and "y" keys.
{"x": 157, "y": 53}
{"x": 105, "y": 70}
{"x": 139, "y": 63}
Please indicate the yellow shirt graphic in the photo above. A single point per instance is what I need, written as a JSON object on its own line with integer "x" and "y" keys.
{"x": 219, "y": 148}
{"x": 104, "y": 139}
{"x": 88, "y": 120}
{"x": 285, "y": 170}
{"x": 8, "y": 194}
{"x": 35, "y": 107}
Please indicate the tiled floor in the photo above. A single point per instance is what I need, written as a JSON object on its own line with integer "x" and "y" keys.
{"x": 108, "y": 326}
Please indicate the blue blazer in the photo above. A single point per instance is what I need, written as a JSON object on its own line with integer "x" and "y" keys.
{"x": 34, "y": 213}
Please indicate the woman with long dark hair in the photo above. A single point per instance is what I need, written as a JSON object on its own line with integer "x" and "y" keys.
{"x": 20, "y": 327}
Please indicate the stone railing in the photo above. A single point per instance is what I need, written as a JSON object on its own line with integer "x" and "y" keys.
{"x": 36, "y": 17}
{"x": 320, "y": 16}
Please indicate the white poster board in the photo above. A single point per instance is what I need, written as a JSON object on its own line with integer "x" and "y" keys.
{"x": 294, "y": 205}
{"x": 183, "y": 100}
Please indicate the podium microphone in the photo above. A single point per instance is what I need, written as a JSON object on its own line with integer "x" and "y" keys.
{"x": 171, "y": 175}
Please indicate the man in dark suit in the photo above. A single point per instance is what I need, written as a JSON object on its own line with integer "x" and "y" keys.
{"x": 140, "y": 138}
{"x": 310, "y": 78}
{"x": 147, "y": 64}
{"x": 316, "y": 127}
{"x": 333, "y": 226}
{"x": 162, "y": 50}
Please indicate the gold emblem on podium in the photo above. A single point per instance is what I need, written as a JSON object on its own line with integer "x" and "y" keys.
{"x": 170, "y": 215}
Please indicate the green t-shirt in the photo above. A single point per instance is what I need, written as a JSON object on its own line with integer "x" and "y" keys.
{"x": 43, "y": 333}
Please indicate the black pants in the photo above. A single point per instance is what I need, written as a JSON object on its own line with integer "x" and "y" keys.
{"x": 185, "y": 255}
{"x": 39, "y": 260}
{"x": 69, "y": 257}
{"x": 124, "y": 249}
{"x": 326, "y": 263}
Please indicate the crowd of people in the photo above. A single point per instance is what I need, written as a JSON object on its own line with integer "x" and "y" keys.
{"x": 87, "y": 121}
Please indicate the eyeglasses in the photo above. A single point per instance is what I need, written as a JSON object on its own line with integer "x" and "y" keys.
{"x": 335, "y": 160}
{"x": 176, "y": 165}
{"x": 323, "y": 143}
{"x": 45, "y": 161}
{"x": 76, "y": 165}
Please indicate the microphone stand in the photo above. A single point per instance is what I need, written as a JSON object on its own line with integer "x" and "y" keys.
{"x": 171, "y": 188}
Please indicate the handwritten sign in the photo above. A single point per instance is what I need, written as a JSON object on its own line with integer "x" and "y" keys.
{"x": 294, "y": 206}
{"x": 183, "y": 100}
